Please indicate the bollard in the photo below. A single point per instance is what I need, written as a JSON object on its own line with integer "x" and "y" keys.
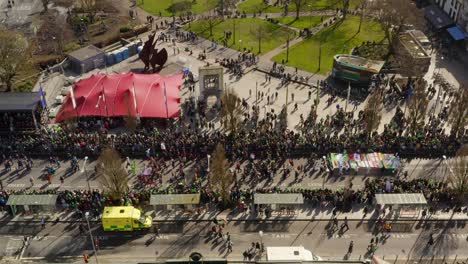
{"x": 396, "y": 259}
{"x": 432, "y": 259}
{"x": 443, "y": 260}
{"x": 456, "y": 256}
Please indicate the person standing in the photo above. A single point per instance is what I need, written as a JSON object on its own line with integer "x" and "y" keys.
{"x": 431, "y": 240}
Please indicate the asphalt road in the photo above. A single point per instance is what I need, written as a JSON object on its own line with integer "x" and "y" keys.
{"x": 178, "y": 240}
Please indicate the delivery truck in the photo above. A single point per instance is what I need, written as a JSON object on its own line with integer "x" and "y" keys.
{"x": 125, "y": 218}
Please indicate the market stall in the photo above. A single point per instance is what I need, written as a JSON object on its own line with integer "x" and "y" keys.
{"x": 404, "y": 204}
{"x": 32, "y": 205}
{"x": 401, "y": 206}
{"x": 179, "y": 202}
{"x": 282, "y": 203}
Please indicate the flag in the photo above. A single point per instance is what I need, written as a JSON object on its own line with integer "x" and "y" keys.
{"x": 41, "y": 94}
{"x": 72, "y": 95}
{"x": 165, "y": 99}
{"x": 349, "y": 92}
{"x": 134, "y": 168}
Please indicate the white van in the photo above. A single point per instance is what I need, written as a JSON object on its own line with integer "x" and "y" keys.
{"x": 290, "y": 254}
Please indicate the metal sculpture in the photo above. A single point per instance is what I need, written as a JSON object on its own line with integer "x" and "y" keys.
{"x": 150, "y": 56}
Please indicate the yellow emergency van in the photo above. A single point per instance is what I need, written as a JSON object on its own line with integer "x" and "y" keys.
{"x": 124, "y": 218}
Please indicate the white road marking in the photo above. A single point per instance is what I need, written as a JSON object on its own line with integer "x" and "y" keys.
{"x": 16, "y": 185}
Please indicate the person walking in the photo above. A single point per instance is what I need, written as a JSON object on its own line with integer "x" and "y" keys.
{"x": 345, "y": 224}
{"x": 43, "y": 223}
{"x": 229, "y": 246}
{"x": 350, "y": 248}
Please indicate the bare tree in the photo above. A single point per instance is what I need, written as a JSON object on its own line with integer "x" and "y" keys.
{"x": 299, "y": 5}
{"x": 112, "y": 174}
{"x": 394, "y": 15}
{"x": 231, "y": 110}
{"x": 45, "y": 4}
{"x": 220, "y": 176}
{"x": 209, "y": 23}
{"x": 458, "y": 115}
{"x": 13, "y": 55}
{"x": 362, "y": 8}
{"x": 50, "y": 37}
{"x": 90, "y": 7}
{"x": 459, "y": 174}
{"x": 225, "y": 5}
{"x": 345, "y": 7}
{"x": 373, "y": 112}
{"x": 417, "y": 106}
{"x": 261, "y": 32}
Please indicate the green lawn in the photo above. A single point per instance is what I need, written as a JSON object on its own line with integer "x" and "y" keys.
{"x": 156, "y": 6}
{"x": 302, "y": 22}
{"x": 275, "y": 35}
{"x": 337, "y": 40}
{"x": 251, "y": 6}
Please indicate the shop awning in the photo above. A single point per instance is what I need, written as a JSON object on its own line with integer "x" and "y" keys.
{"x": 400, "y": 199}
{"x": 457, "y": 33}
{"x": 437, "y": 17}
{"x": 278, "y": 198}
{"x": 36, "y": 199}
{"x": 172, "y": 199}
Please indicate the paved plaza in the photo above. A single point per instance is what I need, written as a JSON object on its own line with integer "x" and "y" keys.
{"x": 434, "y": 233}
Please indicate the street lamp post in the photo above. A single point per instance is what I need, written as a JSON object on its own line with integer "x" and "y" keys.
{"x": 86, "y": 172}
{"x": 91, "y": 237}
{"x": 209, "y": 157}
{"x": 260, "y": 233}
{"x": 326, "y": 168}
{"x": 448, "y": 166}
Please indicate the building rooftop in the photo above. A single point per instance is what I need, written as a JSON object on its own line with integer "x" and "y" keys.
{"x": 278, "y": 198}
{"x": 19, "y": 101}
{"x": 420, "y": 36}
{"x": 413, "y": 47}
{"x": 86, "y": 52}
{"x": 360, "y": 62}
{"x": 172, "y": 199}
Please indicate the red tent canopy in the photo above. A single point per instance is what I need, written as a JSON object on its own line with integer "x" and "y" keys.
{"x": 126, "y": 94}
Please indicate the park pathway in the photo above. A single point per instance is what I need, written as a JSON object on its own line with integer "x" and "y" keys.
{"x": 265, "y": 62}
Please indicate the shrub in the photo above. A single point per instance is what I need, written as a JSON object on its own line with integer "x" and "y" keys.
{"x": 24, "y": 87}
{"x": 125, "y": 29}
{"x": 69, "y": 47}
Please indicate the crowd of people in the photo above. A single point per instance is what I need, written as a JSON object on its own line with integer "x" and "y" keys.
{"x": 438, "y": 195}
{"x": 320, "y": 139}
